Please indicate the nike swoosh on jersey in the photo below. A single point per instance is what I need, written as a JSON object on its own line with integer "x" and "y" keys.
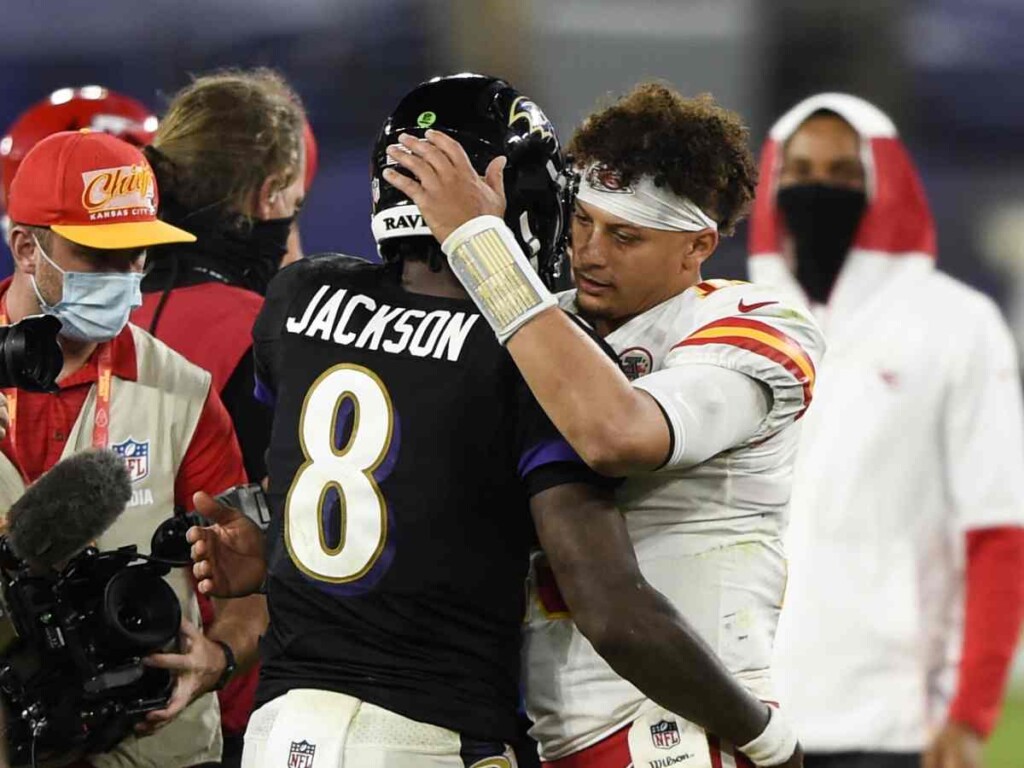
{"x": 751, "y": 307}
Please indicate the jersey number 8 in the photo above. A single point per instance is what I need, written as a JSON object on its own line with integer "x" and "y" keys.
{"x": 348, "y": 470}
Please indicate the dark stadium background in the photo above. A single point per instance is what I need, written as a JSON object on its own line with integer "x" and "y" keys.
{"x": 948, "y": 71}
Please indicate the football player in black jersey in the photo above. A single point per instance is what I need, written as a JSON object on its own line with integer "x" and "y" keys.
{"x": 406, "y": 457}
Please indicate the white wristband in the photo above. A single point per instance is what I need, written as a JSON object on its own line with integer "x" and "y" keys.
{"x": 775, "y": 745}
{"x": 487, "y": 260}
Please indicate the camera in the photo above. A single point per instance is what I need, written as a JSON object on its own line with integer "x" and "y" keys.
{"x": 169, "y": 540}
{"x": 30, "y": 357}
{"x": 76, "y": 623}
{"x": 71, "y": 648}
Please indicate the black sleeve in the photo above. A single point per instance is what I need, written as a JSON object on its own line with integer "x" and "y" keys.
{"x": 263, "y": 385}
{"x": 252, "y": 419}
{"x": 546, "y": 460}
{"x": 266, "y": 331}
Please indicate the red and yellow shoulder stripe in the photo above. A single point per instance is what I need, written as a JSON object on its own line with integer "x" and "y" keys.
{"x": 762, "y": 339}
{"x": 708, "y": 287}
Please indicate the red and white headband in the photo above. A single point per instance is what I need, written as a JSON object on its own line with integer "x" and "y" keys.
{"x": 641, "y": 202}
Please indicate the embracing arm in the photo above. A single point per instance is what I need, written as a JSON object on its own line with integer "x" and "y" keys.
{"x": 614, "y": 427}
{"x": 632, "y": 625}
{"x": 678, "y": 417}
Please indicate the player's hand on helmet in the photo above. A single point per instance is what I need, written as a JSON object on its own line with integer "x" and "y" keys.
{"x": 446, "y": 188}
{"x": 5, "y": 417}
{"x": 197, "y": 669}
{"x": 955, "y": 746}
{"x": 228, "y": 555}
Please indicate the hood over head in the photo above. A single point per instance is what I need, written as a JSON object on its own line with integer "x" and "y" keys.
{"x": 897, "y": 221}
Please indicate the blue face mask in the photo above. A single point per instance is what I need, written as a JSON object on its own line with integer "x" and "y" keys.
{"x": 94, "y": 306}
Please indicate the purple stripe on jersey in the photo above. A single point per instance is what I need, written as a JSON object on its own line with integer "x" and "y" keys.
{"x": 547, "y": 452}
{"x": 263, "y": 393}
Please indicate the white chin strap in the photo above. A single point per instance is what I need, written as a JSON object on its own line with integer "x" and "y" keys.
{"x": 641, "y": 202}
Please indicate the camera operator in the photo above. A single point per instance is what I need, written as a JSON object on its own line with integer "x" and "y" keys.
{"x": 83, "y": 211}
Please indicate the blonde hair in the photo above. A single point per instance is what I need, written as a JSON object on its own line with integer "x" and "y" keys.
{"x": 223, "y": 135}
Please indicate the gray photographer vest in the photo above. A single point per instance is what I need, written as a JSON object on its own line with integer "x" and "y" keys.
{"x": 152, "y": 421}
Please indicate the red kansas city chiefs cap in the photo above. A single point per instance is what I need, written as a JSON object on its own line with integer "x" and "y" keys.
{"x": 92, "y": 188}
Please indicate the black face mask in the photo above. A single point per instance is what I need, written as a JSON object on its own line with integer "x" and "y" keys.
{"x": 229, "y": 249}
{"x": 266, "y": 244}
{"x": 270, "y": 238}
{"x": 822, "y": 220}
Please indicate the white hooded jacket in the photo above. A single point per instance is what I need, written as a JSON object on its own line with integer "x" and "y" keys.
{"x": 916, "y": 435}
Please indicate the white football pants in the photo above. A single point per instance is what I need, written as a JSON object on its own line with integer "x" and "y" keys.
{"x": 308, "y": 728}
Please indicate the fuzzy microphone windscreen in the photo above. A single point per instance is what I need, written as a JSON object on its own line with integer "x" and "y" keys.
{"x": 68, "y": 507}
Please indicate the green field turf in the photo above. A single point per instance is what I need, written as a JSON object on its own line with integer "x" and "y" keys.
{"x": 1006, "y": 747}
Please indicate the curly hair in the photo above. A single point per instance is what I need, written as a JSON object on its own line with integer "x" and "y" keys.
{"x": 695, "y": 147}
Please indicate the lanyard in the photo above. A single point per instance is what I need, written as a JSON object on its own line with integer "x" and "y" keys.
{"x": 101, "y": 421}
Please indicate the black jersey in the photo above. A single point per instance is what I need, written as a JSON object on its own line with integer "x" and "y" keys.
{"x": 404, "y": 449}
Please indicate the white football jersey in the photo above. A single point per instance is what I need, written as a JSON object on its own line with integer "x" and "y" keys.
{"x": 708, "y": 535}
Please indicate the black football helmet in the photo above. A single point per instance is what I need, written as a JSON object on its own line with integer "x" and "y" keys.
{"x": 488, "y": 117}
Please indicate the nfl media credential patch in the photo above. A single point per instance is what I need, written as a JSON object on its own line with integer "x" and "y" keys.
{"x": 301, "y": 754}
{"x": 136, "y": 457}
{"x": 665, "y": 734}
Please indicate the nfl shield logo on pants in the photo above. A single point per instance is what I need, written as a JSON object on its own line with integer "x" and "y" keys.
{"x": 301, "y": 754}
{"x": 136, "y": 457}
{"x": 665, "y": 735}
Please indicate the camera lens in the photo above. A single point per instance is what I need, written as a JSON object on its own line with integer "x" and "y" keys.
{"x": 140, "y": 610}
{"x": 30, "y": 357}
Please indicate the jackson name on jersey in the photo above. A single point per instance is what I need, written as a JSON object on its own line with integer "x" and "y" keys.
{"x": 440, "y": 333}
{"x": 405, "y": 449}
{"x": 706, "y": 535}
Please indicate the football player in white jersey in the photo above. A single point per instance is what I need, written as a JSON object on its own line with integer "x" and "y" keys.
{"x": 705, "y": 433}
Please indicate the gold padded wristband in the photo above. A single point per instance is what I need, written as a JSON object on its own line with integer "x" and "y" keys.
{"x": 489, "y": 263}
